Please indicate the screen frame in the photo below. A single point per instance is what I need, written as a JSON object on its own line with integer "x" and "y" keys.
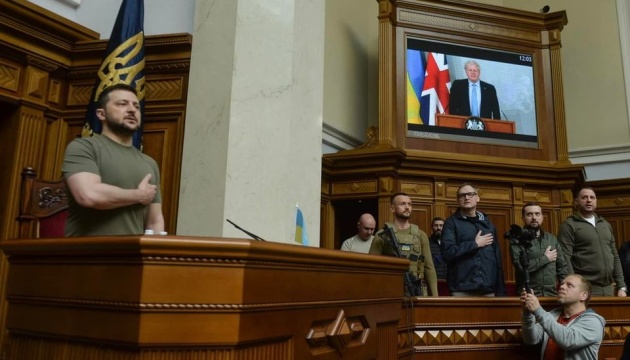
{"x": 511, "y": 74}
{"x": 544, "y": 149}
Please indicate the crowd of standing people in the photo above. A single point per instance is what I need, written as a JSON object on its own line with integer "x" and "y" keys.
{"x": 464, "y": 251}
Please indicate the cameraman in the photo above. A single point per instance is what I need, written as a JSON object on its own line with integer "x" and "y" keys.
{"x": 571, "y": 331}
{"x": 547, "y": 263}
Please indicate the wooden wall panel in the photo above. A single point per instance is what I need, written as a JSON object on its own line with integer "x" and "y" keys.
{"x": 613, "y": 203}
{"x": 421, "y": 215}
{"x": 29, "y": 140}
{"x": 9, "y": 75}
{"x": 161, "y": 140}
{"x": 54, "y": 148}
{"x": 502, "y": 219}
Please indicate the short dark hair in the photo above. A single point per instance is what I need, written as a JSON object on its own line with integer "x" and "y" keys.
{"x": 437, "y": 218}
{"x": 103, "y": 97}
{"x": 531, "y": 203}
{"x": 391, "y": 199}
{"x": 579, "y": 190}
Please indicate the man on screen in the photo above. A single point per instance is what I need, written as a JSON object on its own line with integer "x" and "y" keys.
{"x": 473, "y": 97}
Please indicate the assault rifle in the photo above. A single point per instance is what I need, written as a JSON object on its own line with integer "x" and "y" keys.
{"x": 413, "y": 286}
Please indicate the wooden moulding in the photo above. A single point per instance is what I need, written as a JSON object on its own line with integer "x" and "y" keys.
{"x": 134, "y": 294}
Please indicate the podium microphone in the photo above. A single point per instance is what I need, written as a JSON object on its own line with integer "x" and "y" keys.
{"x": 505, "y": 116}
{"x": 252, "y": 235}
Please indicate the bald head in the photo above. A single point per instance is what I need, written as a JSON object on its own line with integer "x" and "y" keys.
{"x": 366, "y": 226}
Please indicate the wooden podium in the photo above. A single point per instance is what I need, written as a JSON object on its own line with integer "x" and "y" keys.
{"x": 458, "y": 122}
{"x": 176, "y": 298}
{"x": 167, "y": 297}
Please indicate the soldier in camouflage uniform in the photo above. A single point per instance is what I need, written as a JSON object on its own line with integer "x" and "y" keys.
{"x": 414, "y": 243}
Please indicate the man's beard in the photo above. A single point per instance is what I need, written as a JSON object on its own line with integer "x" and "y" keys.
{"x": 403, "y": 216}
{"x": 564, "y": 301}
{"x": 561, "y": 301}
{"x": 121, "y": 128}
{"x": 534, "y": 227}
{"x": 437, "y": 234}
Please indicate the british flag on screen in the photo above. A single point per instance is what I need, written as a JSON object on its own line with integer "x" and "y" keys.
{"x": 437, "y": 85}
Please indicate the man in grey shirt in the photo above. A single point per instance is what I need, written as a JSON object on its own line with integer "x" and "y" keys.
{"x": 362, "y": 241}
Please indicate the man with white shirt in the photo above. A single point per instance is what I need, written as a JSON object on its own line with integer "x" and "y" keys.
{"x": 588, "y": 244}
{"x": 362, "y": 241}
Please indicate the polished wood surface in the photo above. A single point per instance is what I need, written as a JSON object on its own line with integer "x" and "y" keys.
{"x": 157, "y": 298}
{"x": 170, "y": 297}
{"x": 489, "y": 328}
{"x": 459, "y": 122}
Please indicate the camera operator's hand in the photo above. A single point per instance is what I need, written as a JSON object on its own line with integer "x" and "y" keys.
{"x": 483, "y": 240}
{"x": 551, "y": 254}
{"x": 529, "y": 301}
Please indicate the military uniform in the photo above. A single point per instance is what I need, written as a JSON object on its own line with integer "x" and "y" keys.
{"x": 414, "y": 245}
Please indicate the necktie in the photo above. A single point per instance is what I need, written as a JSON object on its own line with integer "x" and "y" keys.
{"x": 474, "y": 108}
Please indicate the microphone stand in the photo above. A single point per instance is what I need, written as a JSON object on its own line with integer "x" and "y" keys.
{"x": 252, "y": 235}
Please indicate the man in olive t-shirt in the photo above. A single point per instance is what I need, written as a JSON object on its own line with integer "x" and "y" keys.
{"x": 114, "y": 188}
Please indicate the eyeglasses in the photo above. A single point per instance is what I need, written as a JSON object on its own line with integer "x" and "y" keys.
{"x": 469, "y": 195}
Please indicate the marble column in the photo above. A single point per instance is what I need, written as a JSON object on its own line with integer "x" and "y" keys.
{"x": 253, "y": 136}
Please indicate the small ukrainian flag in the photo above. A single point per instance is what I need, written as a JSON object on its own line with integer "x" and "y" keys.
{"x": 300, "y": 229}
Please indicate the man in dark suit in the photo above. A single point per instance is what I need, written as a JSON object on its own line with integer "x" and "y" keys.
{"x": 473, "y": 97}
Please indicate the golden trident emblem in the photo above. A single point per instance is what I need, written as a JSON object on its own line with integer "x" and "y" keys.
{"x": 117, "y": 67}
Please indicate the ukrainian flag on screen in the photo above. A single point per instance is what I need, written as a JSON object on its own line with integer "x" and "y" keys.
{"x": 300, "y": 229}
{"x": 415, "y": 84}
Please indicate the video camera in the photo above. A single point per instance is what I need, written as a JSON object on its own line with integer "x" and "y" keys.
{"x": 520, "y": 236}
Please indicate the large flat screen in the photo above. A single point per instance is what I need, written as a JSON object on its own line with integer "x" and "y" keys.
{"x": 438, "y": 102}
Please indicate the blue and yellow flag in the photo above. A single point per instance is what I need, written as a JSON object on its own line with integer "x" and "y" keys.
{"x": 415, "y": 84}
{"x": 123, "y": 63}
{"x": 300, "y": 229}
